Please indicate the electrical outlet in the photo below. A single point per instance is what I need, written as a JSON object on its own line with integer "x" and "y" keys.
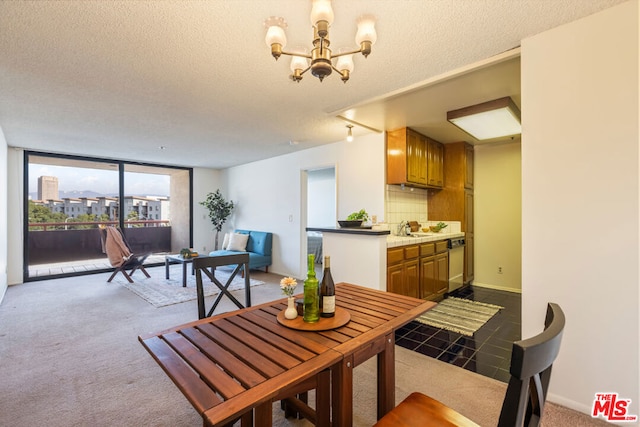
{"x": 499, "y": 270}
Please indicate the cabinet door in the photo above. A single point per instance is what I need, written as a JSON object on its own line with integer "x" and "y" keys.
{"x": 468, "y": 211}
{"x": 442, "y": 273}
{"x": 435, "y": 164}
{"x": 395, "y": 278}
{"x": 428, "y": 277}
{"x": 468, "y": 258}
{"x": 416, "y": 158}
{"x": 468, "y": 174}
{"x": 412, "y": 278}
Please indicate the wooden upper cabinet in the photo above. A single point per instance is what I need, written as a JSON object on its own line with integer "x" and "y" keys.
{"x": 435, "y": 163}
{"x": 414, "y": 159}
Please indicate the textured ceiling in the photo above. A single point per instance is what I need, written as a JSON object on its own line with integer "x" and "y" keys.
{"x": 119, "y": 79}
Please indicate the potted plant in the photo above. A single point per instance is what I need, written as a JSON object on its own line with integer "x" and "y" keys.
{"x": 219, "y": 211}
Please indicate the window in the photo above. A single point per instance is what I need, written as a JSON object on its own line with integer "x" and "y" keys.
{"x": 69, "y": 197}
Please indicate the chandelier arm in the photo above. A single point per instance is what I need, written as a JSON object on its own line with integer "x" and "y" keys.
{"x": 305, "y": 70}
{"x": 337, "y": 55}
{"x": 301, "y": 55}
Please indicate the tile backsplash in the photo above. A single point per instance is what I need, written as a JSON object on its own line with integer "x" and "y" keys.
{"x": 405, "y": 203}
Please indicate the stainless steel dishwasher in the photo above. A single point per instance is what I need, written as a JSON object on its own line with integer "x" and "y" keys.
{"x": 456, "y": 263}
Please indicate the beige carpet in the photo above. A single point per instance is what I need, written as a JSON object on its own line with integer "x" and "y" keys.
{"x": 159, "y": 291}
{"x": 69, "y": 356}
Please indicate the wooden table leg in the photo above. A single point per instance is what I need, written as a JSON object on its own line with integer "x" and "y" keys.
{"x": 247, "y": 419}
{"x": 342, "y": 392}
{"x": 184, "y": 274}
{"x": 323, "y": 398}
{"x": 387, "y": 376}
{"x": 264, "y": 415}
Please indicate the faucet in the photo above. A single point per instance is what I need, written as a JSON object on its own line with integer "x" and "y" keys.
{"x": 402, "y": 229}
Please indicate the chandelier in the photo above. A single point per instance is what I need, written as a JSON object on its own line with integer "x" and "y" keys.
{"x": 320, "y": 61}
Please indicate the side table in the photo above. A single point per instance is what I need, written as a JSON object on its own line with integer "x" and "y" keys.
{"x": 168, "y": 259}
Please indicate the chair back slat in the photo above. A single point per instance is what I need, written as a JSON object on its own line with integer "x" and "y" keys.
{"x": 531, "y": 363}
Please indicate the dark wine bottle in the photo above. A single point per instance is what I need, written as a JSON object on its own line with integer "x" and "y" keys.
{"x": 327, "y": 291}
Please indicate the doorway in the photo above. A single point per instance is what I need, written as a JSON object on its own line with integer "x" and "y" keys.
{"x": 321, "y": 209}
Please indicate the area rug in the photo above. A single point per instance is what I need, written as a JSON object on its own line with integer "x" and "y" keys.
{"x": 160, "y": 292}
{"x": 459, "y": 315}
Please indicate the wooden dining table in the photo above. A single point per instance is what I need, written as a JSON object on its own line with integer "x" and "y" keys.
{"x": 236, "y": 364}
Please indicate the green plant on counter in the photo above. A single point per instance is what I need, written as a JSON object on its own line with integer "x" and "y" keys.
{"x": 356, "y": 216}
{"x": 439, "y": 226}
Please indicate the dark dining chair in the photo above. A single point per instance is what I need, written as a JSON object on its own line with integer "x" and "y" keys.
{"x": 207, "y": 265}
{"x": 523, "y": 405}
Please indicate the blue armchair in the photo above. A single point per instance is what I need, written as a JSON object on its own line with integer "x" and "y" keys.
{"x": 258, "y": 247}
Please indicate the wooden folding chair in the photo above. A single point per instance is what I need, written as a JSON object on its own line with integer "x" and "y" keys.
{"x": 120, "y": 255}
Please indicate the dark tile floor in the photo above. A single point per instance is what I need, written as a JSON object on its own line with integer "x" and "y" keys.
{"x": 487, "y": 352}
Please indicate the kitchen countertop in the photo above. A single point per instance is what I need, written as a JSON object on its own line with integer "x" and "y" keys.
{"x": 347, "y": 230}
{"x": 394, "y": 241}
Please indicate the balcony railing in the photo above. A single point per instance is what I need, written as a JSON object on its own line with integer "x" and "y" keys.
{"x": 52, "y": 243}
{"x": 47, "y": 226}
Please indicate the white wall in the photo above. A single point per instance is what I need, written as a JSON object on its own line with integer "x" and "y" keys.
{"x": 206, "y": 181}
{"x": 268, "y": 193}
{"x": 15, "y": 214}
{"x": 3, "y": 216}
{"x": 497, "y": 216}
{"x": 580, "y": 200}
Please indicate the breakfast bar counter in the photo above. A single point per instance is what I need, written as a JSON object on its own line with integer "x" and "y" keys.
{"x": 358, "y": 255}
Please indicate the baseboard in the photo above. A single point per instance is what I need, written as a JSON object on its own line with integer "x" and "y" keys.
{"x": 3, "y": 290}
{"x": 568, "y": 403}
{"x": 497, "y": 288}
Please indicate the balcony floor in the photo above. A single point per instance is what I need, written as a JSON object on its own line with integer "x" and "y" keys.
{"x": 82, "y": 266}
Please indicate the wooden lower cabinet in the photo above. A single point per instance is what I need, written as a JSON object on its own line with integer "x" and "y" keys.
{"x": 419, "y": 271}
{"x": 434, "y": 279}
{"x": 403, "y": 275}
{"x": 468, "y": 258}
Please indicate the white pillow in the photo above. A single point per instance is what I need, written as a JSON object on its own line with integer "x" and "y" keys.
{"x": 225, "y": 241}
{"x": 238, "y": 242}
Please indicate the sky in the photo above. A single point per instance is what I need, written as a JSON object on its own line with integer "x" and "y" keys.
{"x": 99, "y": 181}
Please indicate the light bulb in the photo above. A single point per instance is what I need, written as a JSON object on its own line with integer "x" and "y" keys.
{"x": 349, "y": 134}
{"x": 344, "y": 62}
{"x": 366, "y": 30}
{"x": 275, "y": 31}
{"x": 321, "y": 11}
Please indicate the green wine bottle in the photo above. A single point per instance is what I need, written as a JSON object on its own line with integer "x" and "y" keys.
{"x": 311, "y": 308}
